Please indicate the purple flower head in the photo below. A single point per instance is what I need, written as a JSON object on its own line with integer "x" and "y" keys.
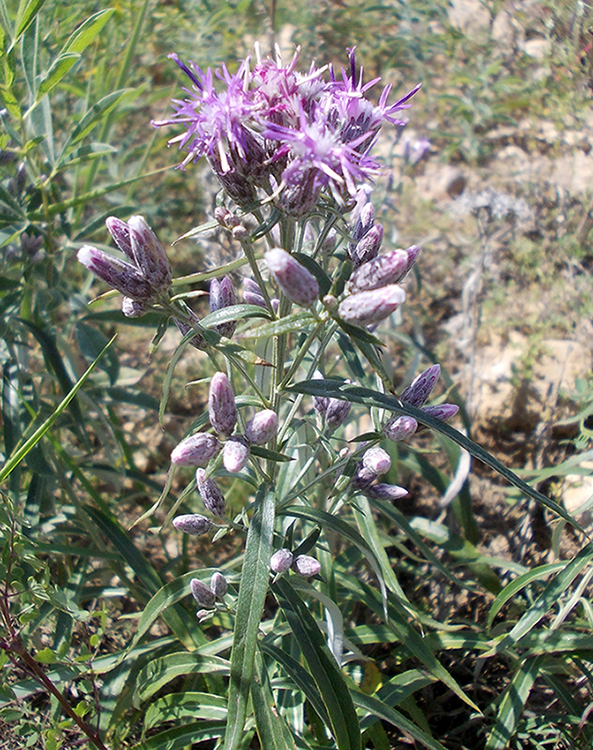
{"x": 400, "y": 428}
{"x": 119, "y": 274}
{"x": 366, "y": 308}
{"x": 211, "y": 495}
{"x": 218, "y": 585}
{"x": 377, "y": 461}
{"x": 297, "y": 283}
{"x": 221, "y": 405}
{"x": 196, "y": 450}
{"x": 222, "y": 294}
{"x": 202, "y": 594}
{"x": 262, "y": 428}
{"x": 235, "y": 454}
{"x": 381, "y": 491}
{"x": 388, "y": 268}
{"x": 193, "y": 524}
{"x": 306, "y": 566}
{"x": 417, "y": 393}
{"x": 281, "y": 561}
{"x": 441, "y": 411}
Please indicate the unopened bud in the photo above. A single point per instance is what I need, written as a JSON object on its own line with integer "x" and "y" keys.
{"x": 133, "y": 309}
{"x": 262, "y": 427}
{"x": 239, "y": 232}
{"x": 235, "y": 454}
{"x": 366, "y": 308}
{"x": 149, "y": 254}
{"x": 281, "y": 561}
{"x": 198, "y": 340}
{"x": 421, "y": 387}
{"x": 366, "y": 219}
{"x": 377, "y": 461}
{"x": 385, "y": 492}
{"x": 196, "y": 450}
{"x": 388, "y": 268}
{"x": 362, "y": 478}
{"x": 400, "y": 428}
{"x": 193, "y": 524}
{"x": 368, "y": 247}
{"x": 117, "y": 273}
{"x": 413, "y": 252}
{"x": 441, "y": 411}
{"x": 306, "y": 566}
{"x": 252, "y": 293}
{"x": 221, "y": 405}
{"x": 218, "y": 585}
{"x": 211, "y": 495}
{"x": 320, "y": 403}
{"x": 297, "y": 283}
{"x": 336, "y": 412}
{"x": 201, "y": 593}
{"x": 222, "y": 294}
{"x": 120, "y": 232}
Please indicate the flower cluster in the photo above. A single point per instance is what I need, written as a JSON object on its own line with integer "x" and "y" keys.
{"x": 292, "y": 134}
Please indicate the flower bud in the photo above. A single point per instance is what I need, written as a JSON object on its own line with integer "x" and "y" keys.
{"x": 366, "y": 219}
{"x": 117, "y": 273}
{"x": 252, "y": 293}
{"x": 298, "y": 284}
{"x": 218, "y": 585}
{"x": 388, "y": 268}
{"x": 306, "y": 566}
{"x": 195, "y": 450}
{"x": 320, "y": 403}
{"x": 221, "y": 405}
{"x": 413, "y": 252}
{"x": 133, "y": 309}
{"x": 222, "y": 294}
{"x": 193, "y": 524}
{"x": 421, "y": 387}
{"x": 120, "y": 232}
{"x": 262, "y": 427}
{"x": 211, "y": 495}
{"x": 201, "y": 593}
{"x": 281, "y": 561}
{"x": 362, "y": 478}
{"x": 368, "y": 247}
{"x": 198, "y": 340}
{"x": 149, "y": 254}
{"x": 400, "y": 428}
{"x": 235, "y": 454}
{"x": 366, "y": 308}
{"x": 385, "y": 492}
{"x": 377, "y": 461}
{"x": 336, "y": 412}
{"x": 441, "y": 411}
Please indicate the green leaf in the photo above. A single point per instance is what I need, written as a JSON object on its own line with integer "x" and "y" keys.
{"x": 377, "y": 708}
{"x": 295, "y": 322}
{"x": 92, "y": 342}
{"x": 179, "y": 738}
{"x": 87, "y": 31}
{"x": 512, "y": 703}
{"x": 189, "y": 705}
{"x": 17, "y": 457}
{"x": 159, "y": 672}
{"x": 59, "y": 68}
{"x": 324, "y": 669}
{"x": 234, "y": 312}
{"x": 270, "y": 455}
{"x": 271, "y": 726}
{"x": 27, "y": 11}
{"x": 547, "y": 599}
{"x": 91, "y": 118}
{"x": 250, "y": 605}
{"x": 313, "y": 267}
{"x": 356, "y": 394}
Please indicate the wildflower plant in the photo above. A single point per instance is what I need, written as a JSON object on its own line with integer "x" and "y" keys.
{"x": 293, "y": 153}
